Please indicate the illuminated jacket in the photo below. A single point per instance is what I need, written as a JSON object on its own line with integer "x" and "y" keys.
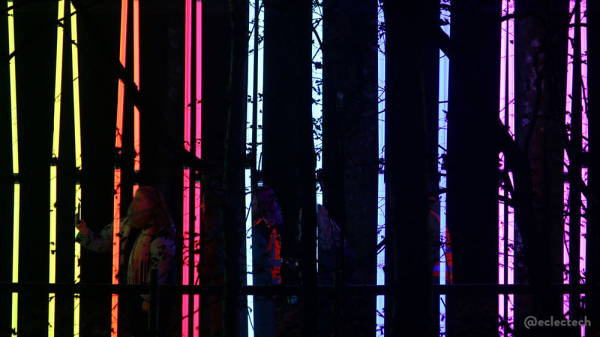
{"x": 273, "y": 249}
{"x": 150, "y": 250}
{"x": 445, "y": 244}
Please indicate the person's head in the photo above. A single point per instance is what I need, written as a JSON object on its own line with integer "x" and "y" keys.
{"x": 149, "y": 207}
{"x": 264, "y": 205}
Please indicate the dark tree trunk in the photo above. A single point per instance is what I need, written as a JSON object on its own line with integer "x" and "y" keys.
{"x": 289, "y": 156}
{"x": 472, "y": 163}
{"x": 233, "y": 182}
{"x": 539, "y": 100}
{"x": 407, "y": 205}
{"x": 350, "y": 158}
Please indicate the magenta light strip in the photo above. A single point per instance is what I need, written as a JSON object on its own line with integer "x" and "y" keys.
{"x": 566, "y": 185}
{"x": 198, "y": 143}
{"x": 187, "y": 120}
{"x": 136, "y": 79}
{"x": 584, "y": 149}
{"x": 505, "y": 212}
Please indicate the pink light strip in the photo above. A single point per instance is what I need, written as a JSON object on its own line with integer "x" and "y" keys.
{"x": 198, "y": 78}
{"x": 584, "y": 148}
{"x": 196, "y": 323}
{"x": 117, "y": 174}
{"x": 136, "y": 79}
{"x": 198, "y": 194}
{"x": 185, "y": 277}
{"x": 566, "y": 185}
{"x": 187, "y": 121}
{"x": 506, "y": 213}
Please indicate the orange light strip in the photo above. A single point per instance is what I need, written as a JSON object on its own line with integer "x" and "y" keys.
{"x": 117, "y": 174}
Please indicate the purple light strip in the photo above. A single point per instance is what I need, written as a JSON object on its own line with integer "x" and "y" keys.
{"x": 566, "y": 185}
{"x": 506, "y": 213}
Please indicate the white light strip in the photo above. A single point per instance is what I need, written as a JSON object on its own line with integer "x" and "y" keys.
{"x": 317, "y": 106}
{"x": 254, "y": 54}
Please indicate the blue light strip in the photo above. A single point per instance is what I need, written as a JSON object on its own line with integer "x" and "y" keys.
{"x": 317, "y": 106}
{"x": 381, "y": 181}
{"x": 444, "y": 70}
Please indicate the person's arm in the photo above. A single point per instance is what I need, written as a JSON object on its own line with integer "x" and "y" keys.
{"x": 162, "y": 251}
{"x": 99, "y": 242}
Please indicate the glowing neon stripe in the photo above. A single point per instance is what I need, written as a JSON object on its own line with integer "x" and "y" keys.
{"x": 380, "y": 302}
{"x": 317, "y": 111}
{"x": 78, "y": 164}
{"x": 185, "y": 276}
{"x": 117, "y": 174}
{"x": 136, "y": 79}
{"x": 15, "y": 165}
{"x": 444, "y": 72}
{"x": 55, "y": 154}
{"x": 584, "y": 147}
{"x": 566, "y": 185}
{"x": 187, "y": 122}
{"x": 198, "y": 194}
{"x": 506, "y": 212}
{"x": 249, "y": 266}
{"x": 255, "y": 89}
{"x": 196, "y": 322}
{"x": 317, "y": 82}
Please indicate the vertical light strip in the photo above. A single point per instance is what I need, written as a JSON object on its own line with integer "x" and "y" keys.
{"x": 185, "y": 276}
{"x": 198, "y": 198}
{"x": 15, "y": 163}
{"x": 505, "y": 211}
{"x": 380, "y": 302}
{"x": 117, "y": 174}
{"x": 78, "y": 163}
{"x": 187, "y": 121}
{"x": 510, "y": 258}
{"x": 566, "y": 184}
{"x": 584, "y": 149}
{"x": 252, "y": 28}
{"x": 255, "y": 80}
{"x": 317, "y": 106}
{"x": 317, "y": 83}
{"x": 55, "y": 155}
{"x": 444, "y": 72}
{"x": 259, "y": 85}
{"x": 136, "y": 79}
{"x": 198, "y": 195}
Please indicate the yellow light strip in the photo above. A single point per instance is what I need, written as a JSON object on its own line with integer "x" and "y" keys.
{"x": 77, "y": 120}
{"x": 55, "y": 153}
{"x": 13, "y": 88}
{"x": 15, "y": 276}
{"x": 15, "y": 158}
